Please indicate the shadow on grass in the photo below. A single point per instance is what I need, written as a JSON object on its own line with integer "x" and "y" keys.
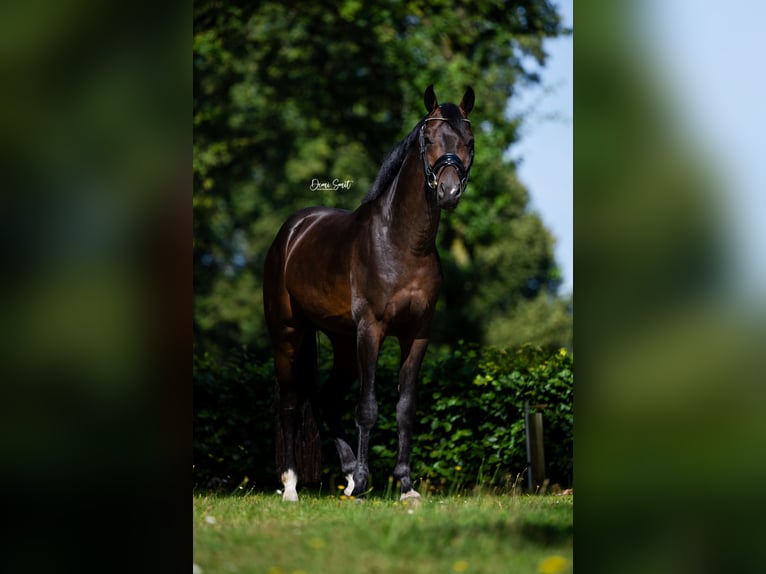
{"x": 543, "y": 534}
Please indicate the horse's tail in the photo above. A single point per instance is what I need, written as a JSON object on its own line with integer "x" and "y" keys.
{"x": 308, "y": 445}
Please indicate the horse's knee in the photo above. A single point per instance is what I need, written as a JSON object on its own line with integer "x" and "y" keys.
{"x": 367, "y": 413}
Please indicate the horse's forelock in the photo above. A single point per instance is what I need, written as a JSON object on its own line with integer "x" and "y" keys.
{"x": 454, "y": 117}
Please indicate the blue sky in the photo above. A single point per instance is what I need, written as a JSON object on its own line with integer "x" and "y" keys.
{"x": 709, "y": 58}
{"x": 545, "y": 150}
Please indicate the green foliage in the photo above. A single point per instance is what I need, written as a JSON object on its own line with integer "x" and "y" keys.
{"x": 471, "y": 416}
{"x": 287, "y": 93}
{"x": 233, "y": 420}
{"x": 469, "y": 425}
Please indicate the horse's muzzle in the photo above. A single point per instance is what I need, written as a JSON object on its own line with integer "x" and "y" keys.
{"x": 448, "y": 195}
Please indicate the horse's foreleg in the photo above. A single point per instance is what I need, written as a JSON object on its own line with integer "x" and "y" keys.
{"x": 412, "y": 354}
{"x": 369, "y": 339}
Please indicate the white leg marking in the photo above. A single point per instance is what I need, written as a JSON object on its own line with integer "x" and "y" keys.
{"x": 412, "y": 494}
{"x": 350, "y": 488}
{"x": 290, "y": 480}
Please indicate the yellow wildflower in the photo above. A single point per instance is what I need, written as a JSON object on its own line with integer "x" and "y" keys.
{"x": 460, "y": 566}
{"x": 552, "y": 565}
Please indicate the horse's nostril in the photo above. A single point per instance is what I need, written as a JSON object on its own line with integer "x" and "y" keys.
{"x": 453, "y": 191}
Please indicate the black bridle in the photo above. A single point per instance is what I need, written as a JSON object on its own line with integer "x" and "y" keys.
{"x": 448, "y": 159}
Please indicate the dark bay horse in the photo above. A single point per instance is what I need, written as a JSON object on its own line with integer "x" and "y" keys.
{"x": 360, "y": 276}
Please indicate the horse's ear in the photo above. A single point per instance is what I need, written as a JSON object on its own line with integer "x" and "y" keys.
{"x": 466, "y": 103}
{"x": 429, "y": 99}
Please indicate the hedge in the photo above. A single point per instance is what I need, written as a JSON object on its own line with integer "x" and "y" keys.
{"x": 469, "y": 425}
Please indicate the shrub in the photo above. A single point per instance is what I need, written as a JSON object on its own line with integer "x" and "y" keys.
{"x": 471, "y": 416}
{"x": 469, "y": 426}
{"x": 233, "y": 421}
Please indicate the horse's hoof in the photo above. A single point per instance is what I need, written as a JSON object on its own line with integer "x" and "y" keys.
{"x": 411, "y": 498}
{"x": 290, "y": 481}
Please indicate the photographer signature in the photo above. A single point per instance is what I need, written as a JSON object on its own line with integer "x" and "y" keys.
{"x": 333, "y": 185}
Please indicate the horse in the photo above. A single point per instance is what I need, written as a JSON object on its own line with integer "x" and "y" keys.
{"x": 361, "y": 276}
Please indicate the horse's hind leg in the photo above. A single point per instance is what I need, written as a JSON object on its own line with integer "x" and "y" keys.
{"x": 295, "y": 365}
{"x": 288, "y": 418}
{"x": 343, "y": 373}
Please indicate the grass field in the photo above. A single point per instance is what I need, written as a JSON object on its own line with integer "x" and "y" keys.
{"x": 258, "y": 533}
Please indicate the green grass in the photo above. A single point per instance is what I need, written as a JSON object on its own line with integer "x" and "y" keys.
{"x": 258, "y": 533}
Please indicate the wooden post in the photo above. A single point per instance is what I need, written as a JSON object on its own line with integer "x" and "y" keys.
{"x": 537, "y": 462}
{"x": 533, "y": 425}
{"x": 530, "y": 482}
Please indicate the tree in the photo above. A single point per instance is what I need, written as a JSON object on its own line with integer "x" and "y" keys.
{"x": 285, "y": 93}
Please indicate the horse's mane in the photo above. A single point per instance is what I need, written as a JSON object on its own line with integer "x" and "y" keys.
{"x": 391, "y": 166}
{"x": 395, "y": 158}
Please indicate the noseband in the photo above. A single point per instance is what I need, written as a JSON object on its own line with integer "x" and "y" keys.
{"x": 448, "y": 159}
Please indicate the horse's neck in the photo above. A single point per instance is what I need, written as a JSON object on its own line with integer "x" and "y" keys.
{"x": 411, "y": 214}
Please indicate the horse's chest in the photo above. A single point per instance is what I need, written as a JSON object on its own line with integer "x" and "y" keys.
{"x": 395, "y": 290}
{"x": 412, "y": 297}
{"x": 411, "y": 302}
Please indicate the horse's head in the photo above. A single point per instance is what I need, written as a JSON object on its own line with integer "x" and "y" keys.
{"x": 446, "y": 147}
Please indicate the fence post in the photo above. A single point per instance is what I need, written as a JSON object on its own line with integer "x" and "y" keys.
{"x": 535, "y": 449}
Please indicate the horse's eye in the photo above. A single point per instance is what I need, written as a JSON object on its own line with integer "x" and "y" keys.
{"x": 428, "y": 140}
